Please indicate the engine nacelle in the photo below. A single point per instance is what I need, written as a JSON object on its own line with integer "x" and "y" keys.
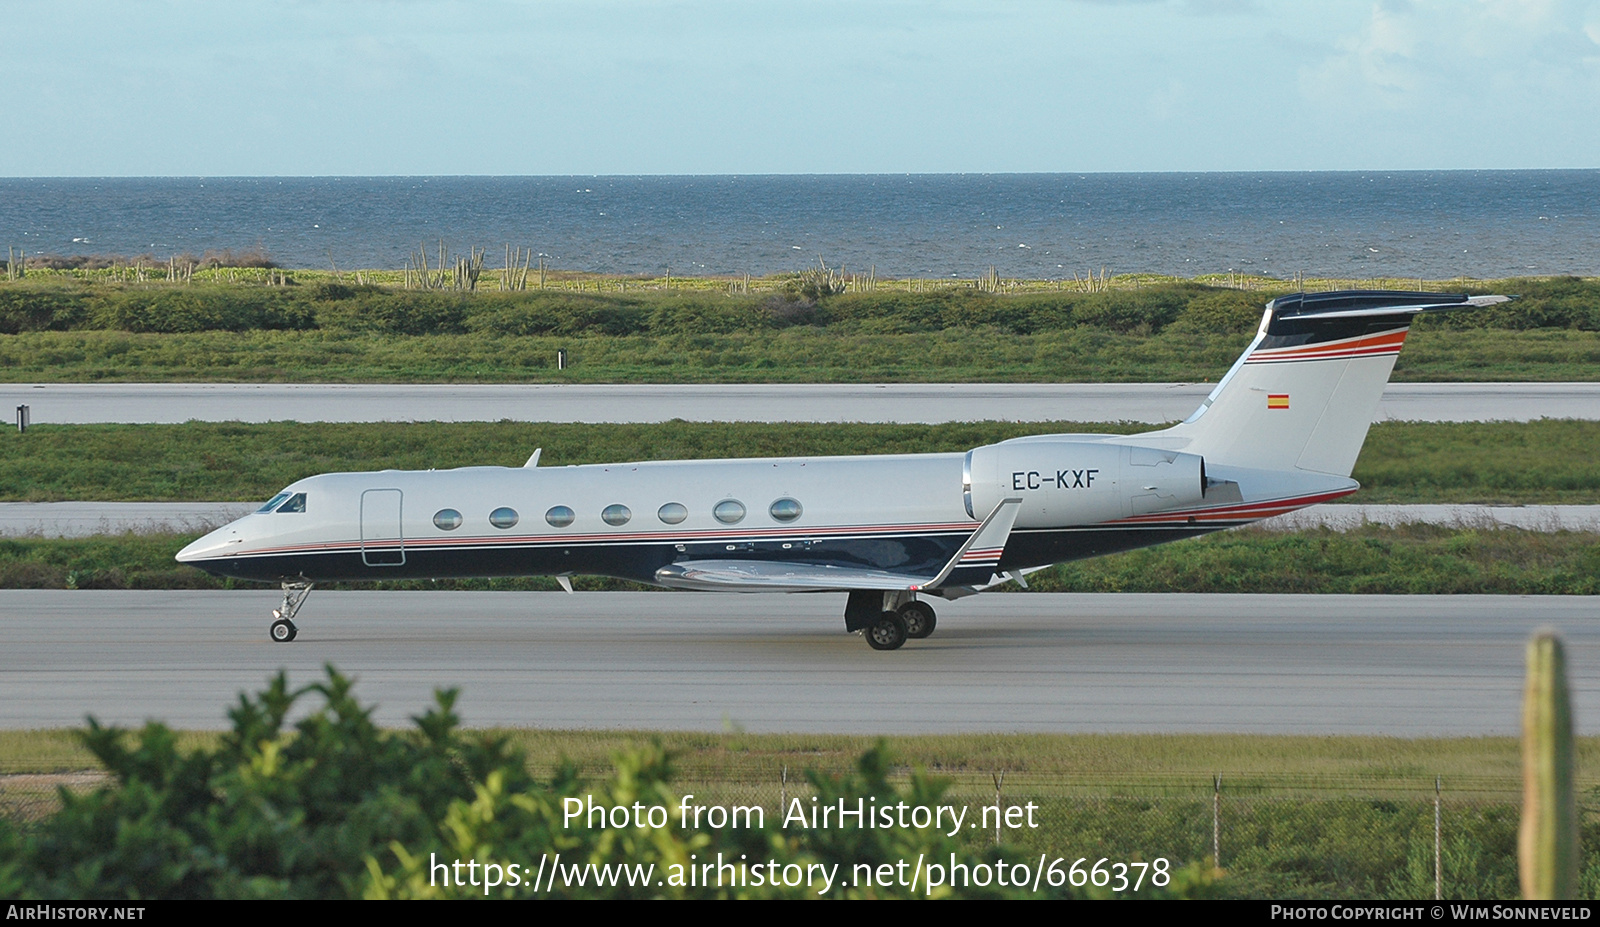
{"x": 1064, "y": 482}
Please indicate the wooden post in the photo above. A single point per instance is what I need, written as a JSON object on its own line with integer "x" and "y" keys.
{"x": 1438, "y": 867}
{"x": 1216, "y": 821}
{"x": 998, "y": 778}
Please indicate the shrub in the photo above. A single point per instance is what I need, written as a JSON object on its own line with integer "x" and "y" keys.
{"x": 339, "y": 808}
{"x": 36, "y": 309}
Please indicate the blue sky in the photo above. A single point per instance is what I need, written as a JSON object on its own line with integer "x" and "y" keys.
{"x": 361, "y": 87}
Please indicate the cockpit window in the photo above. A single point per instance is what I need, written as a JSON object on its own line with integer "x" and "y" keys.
{"x": 272, "y": 503}
{"x": 296, "y": 503}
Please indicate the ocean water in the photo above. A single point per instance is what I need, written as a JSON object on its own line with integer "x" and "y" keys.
{"x": 1344, "y": 224}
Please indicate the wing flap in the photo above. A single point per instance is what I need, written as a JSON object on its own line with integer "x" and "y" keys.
{"x": 982, "y": 550}
{"x": 770, "y": 576}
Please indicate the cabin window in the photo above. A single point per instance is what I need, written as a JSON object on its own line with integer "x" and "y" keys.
{"x": 503, "y": 517}
{"x": 272, "y": 503}
{"x": 784, "y": 509}
{"x": 296, "y": 503}
{"x": 729, "y": 511}
{"x": 447, "y": 519}
{"x": 559, "y": 516}
{"x": 673, "y": 513}
{"x": 616, "y": 515}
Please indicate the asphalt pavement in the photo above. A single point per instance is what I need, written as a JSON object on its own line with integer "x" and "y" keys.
{"x": 1397, "y": 665}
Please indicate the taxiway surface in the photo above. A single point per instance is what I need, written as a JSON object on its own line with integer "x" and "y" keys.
{"x": 91, "y": 403}
{"x": 1399, "y": 665}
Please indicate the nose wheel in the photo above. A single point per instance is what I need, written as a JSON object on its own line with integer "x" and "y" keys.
{"x": 282, "y": 629}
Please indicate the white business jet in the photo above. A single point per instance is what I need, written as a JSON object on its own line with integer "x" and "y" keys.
{"x": 1281, "y": 431}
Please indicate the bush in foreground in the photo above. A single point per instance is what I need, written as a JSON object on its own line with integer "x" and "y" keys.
{"x": 339, "y": 808}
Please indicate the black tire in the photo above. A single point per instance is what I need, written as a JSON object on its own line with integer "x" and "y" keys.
{"x": 887, "y": 633}
{"x": 283, "y": 631}
{"x": 920, "y": 619}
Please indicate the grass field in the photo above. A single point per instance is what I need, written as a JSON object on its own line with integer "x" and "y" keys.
{"x": 1295, "y": 817}
{"x": 1374, "y": 559}
{"x": 1411, "y": 462}
{"x": 65, "y": 328}
{"x": 791, "y": 356}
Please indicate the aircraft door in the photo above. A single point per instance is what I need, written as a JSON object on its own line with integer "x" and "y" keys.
{"x": 382, "y": 542}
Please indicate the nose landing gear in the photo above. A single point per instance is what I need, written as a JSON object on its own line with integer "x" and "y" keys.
{"x": 283, "y": 629}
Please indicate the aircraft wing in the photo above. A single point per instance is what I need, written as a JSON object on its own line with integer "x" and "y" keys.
{"x": 772, "y": 576}
{"x": 980, "y": 553}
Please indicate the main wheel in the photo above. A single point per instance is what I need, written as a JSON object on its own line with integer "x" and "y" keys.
{"x": 919, "y": 618}
{"x": 283, "y": 631}
{"x": 887, "y": 633}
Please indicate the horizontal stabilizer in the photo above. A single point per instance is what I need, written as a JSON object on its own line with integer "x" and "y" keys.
{"x": 1305, "y": 391}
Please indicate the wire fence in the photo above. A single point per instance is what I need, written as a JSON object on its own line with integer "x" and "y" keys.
{"x": 1273, "y": 839}
{"x": 1419, "y": 839}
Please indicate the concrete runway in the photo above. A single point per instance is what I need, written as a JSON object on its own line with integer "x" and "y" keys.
{"x": 85, "y": 519}
{"x": 1401, "y": 665}
{"x": 78, "y": 403}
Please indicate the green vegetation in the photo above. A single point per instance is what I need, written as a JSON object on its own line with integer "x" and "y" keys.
{"x": 1410, "y": 559}
{"x": 76, "y": 329}
{"x": 789, "y": 356}
{"x": 1083, "y": 761}
{"x": 339, "y": 808}
{"x": 1409, "y": 462}
{"x": 1373, "y": 560}
{"x": 335, "y": 807}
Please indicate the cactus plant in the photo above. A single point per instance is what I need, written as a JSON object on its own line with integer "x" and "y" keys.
{"x": 1547, "y": 844}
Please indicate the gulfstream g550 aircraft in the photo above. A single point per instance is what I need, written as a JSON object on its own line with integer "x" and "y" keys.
{"x": 1281, "y": 431}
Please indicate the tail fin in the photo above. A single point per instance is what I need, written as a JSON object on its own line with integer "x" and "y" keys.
{"x": 1304, "y": 393}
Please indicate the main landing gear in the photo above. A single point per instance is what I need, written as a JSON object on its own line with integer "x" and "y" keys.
{"x": 283, "y": 629}
{"x": 888, "y": 619}
{"x": 919, "y": 618}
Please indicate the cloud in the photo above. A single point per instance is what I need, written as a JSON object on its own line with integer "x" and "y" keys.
{"x": 1421, "y": 55}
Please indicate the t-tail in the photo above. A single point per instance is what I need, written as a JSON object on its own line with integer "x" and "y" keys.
{"x": 1303, "y": 395}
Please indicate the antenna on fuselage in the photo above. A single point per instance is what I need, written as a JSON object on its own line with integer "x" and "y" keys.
{"x": 534, "y": 460}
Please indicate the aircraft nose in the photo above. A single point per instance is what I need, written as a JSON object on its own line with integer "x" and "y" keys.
{"x": 211, "y": 545}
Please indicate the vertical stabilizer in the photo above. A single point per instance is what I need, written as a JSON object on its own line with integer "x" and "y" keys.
{"x": 1304, "y": 393}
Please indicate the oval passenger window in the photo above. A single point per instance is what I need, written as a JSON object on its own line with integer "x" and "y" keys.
{"x": 503, "y": 517}
{"x": 447, "y": 519}
{"x": 673, "y": 513}
{"x": 559, "y": 516}
{"x": 784, "y": 509}
{"x": 729, "y": 511}
{"x": 616, "y": 515}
